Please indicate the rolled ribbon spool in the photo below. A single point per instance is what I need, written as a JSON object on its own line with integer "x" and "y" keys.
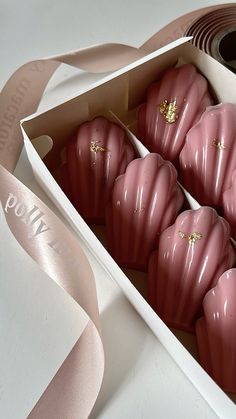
{"x": 215, "y": 34}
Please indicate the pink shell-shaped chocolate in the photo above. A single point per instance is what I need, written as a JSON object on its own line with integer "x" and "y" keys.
{"x": 208, "y": 158}
{"x": 216, "y": 332}
{"x": 173, "y": 105}
{"x": 145, "y": 200}
{"x": 95, "y": 157}
{"x": 229, "y": 205}
{"x": 192, "y": 254}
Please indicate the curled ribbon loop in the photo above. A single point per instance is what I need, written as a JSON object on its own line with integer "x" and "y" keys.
{"x": 56, "y": 250}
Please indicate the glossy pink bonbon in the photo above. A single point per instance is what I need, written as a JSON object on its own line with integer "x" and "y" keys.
{"x": 229, "y": 205}
{"x": 183, "y": 87}
{"x": 145, "y": 200}
{"x": 208, "y": 158}
{"x": 98, "y": 154}
{"x": 191, "y": 256}
{"x": 216, "y": 332}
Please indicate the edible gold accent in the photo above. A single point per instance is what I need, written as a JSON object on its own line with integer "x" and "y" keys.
{"x": 192, "y": 238}
{"x": 169, "y": 109}
{"x": 139, "y": 210}
{"x": 95, "y": 148}
{"x": 218, "y": 144}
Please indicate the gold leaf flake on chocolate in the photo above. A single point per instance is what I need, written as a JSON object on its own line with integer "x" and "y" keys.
{"x": 218, "y": 144}
{"x": 169, "y": 109}
{"x": 192, "y": 237}
{"x": 139, "y": 210}
{"x": 95, "y": 147}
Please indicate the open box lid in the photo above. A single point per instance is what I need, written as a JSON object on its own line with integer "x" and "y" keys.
{"x": 113, "y": 75}
{"x": 123, "y": 87}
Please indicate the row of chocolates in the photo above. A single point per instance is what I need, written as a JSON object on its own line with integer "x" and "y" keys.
{"x": 139, "y": 198}
{"x": 179, "y": 122}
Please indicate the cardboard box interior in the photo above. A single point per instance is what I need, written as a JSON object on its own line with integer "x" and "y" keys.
{"x": 118, "y": 96}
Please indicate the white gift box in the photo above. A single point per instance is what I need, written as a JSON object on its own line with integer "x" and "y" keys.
{"x": 120, "y": 94}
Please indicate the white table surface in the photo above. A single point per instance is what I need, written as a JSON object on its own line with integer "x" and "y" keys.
{"x": 141, "y": 380}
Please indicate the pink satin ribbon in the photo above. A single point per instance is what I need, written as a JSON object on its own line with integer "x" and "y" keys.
{"x": 73, "y": 391}
{"x": 75, "y": 387}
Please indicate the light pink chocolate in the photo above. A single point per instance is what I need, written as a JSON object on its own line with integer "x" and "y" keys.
{"x": 216, "y": 332}
{"x": 162, "y": 130}
{"x": 145, "y": 200}
{"x": 191, "y": 256}
{"x": 98, "y": 154}
{"x": 208, "y": 158}
{"x": 229, "y": 205}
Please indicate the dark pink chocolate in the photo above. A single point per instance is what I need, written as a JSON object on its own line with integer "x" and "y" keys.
{"x": 208, "y": 159}
{"x": 95, "y": 157}
{"x": 216, "y": 332}
{"x": 174, "y": 104}
{"x": 191, "y": 256}
{"x": 145, "y": 200}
